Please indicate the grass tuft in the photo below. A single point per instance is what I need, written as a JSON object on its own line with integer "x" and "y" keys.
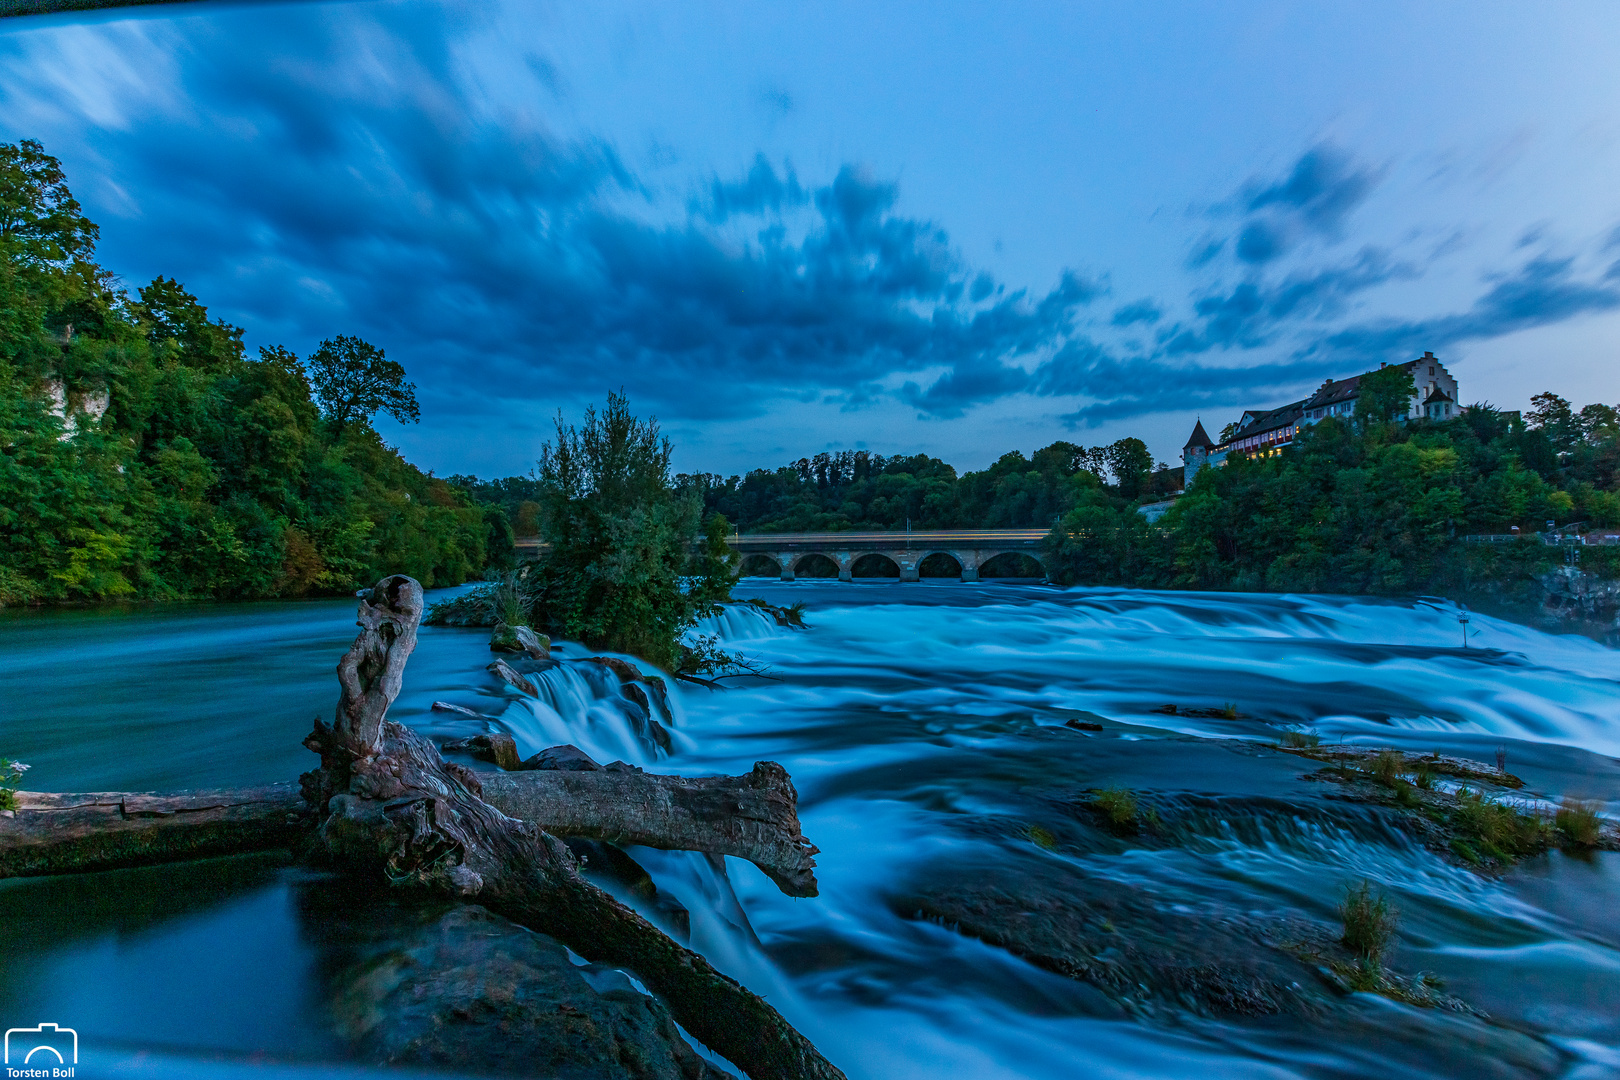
{"x": 1300, "y": 739}
{"x": 1369, "y": 923}
{"x": 1229, "y": 711}
{"x": 1041, "y": 838}
{"x": 1386, "y": 768}
{"x": 1491, "y": 827}
{"x": 1118, "y": 805}
{"x": 1425, "y": 778}
{"x": 1578, "y": 823}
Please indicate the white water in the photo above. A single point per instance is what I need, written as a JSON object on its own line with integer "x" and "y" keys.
{"x": 923, "y": 727}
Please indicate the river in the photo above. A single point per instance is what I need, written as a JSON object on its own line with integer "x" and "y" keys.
{"x": 924, "y": 726}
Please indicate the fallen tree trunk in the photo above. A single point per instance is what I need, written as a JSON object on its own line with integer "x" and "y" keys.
{"x": 76, "y": 833}
{"x": 753, "y": 817}
{"x": 392, "y": 810}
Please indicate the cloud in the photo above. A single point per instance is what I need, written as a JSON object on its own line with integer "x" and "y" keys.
{"x": 1142, "y": 311}
{"x": 1541, "y": 292}
{"x": 330, "y": 172}
{"x": 1316, "y": 197}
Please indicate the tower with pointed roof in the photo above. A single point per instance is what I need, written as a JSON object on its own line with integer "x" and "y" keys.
{"x": 1195, "y": 455}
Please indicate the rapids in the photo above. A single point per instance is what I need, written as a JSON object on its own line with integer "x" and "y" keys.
{"x": 923, "y": 725}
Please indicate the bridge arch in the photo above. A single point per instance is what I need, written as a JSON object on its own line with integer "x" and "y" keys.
{"x": 759, "y": 564}
{"x": 1011, "y": 564}
{"x": 940, "y": 564}
{"x": 815, "y": 565}
{"x": 874, "y": 564}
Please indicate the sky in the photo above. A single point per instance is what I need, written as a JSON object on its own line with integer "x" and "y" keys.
{"x": 788, "y": 228}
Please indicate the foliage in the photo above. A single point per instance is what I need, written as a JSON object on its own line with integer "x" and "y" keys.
{"x": 353, "y": 380}
{"x": 145, "y": 455}
{"x": 1578, "y": 823}
{"x": 1118, "y": 805}
{"x": 1369, "y": 922}
{"x": 1299, "y": 739}
{"x": 619, "y": 535}
{"x": 11, "y": 773}
{"x": 1386, "y": 768}
{"x": 1492, "y": 827}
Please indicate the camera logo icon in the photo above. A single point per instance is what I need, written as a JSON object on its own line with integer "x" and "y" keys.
{"x": 46, "y": 1044}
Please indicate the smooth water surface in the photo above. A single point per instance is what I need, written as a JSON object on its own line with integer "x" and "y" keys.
{"x": 923, "y": 726}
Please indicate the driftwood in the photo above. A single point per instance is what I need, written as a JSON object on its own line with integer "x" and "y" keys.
{"x": 753, "y": 817}
{"x": 67, "y": 834}
{"x": 392, "y": 809}
{"x": 385, "y": 806}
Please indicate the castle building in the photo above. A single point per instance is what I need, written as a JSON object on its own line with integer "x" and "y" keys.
{"x": 1267, "y": 431}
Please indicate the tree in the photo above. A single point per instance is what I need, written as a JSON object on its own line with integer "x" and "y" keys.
{"x": 1130, "y": 462}
{"x": 1385, "y": 395}
{"x": 353, "y": 379}
{"x": 40, "y": 222}
{"x": 619, "y": 536}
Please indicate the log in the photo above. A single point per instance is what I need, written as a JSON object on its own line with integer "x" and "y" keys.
{"x": 391, "y": 810}
{"x": 78, "y": 833}
{"x": 753, "y": 817}
{"x": 503, "y": 671}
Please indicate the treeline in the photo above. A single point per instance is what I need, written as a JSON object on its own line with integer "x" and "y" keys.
{"x": 1365, "y": 506}
{"x": 145, "y": 455}
{"x": 858, "y": 490}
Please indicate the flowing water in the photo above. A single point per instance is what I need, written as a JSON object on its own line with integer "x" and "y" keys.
{"x": 924, "y": 726}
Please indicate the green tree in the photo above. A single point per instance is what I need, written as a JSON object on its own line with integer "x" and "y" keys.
{"x": 353, "y": 380}
{"x": 41, "y": 226}
{"x": 619, "y": 536}
{"x": 1385, "y": 395}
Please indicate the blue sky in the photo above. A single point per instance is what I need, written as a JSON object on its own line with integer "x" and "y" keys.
{"x": 785, "y": 228}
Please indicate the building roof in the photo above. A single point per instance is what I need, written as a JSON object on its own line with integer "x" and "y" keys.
{"x": 1336, "y": 391}
{"x": 1199, "y": 437}
{"x": 1270, "y": 420}
{"x": 1436, "y": 395}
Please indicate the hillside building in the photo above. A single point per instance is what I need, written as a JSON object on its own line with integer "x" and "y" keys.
{"x": 1266, "y": 431}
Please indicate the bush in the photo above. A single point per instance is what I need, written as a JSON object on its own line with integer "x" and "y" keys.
{"x": 1118, "y": 805}
{"x": 1298, "y": 740}
{"x": 1369, "y": 922}
{"x": 1578, "y": 823}
{"x": 1496, "y": 828}
{"x": 1386, "y": 768}
{"x": 10, "y": 776}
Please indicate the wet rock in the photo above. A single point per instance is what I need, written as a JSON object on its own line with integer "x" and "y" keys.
{"x": 474, "y": 992}
{"x": 568, "y": 758}
{"x": 645, "y": 690}
{"x": 1141, "y": 953}
{"x": 461, "y": 710}
{"x": 493, "y": 746}
{"x": 520, "y": 639}
{"x": 504, "y": 671}
{"x": 1083, "y": 725}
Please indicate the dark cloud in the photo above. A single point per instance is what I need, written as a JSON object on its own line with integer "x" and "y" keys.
{"x": 1127, "y": 386}
{"x": 1542, "y": 292}
{"x": 1316, "y": 197}
{"x": 299, "y": 194}
{"x": 1253, "y": 313}
{"x": 1143, "y": 311}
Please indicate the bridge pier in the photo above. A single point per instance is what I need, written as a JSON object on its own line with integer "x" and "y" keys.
{"x": 970, "y": 573}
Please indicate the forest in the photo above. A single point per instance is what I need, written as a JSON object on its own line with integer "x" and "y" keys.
{"x": 145, "y": 455}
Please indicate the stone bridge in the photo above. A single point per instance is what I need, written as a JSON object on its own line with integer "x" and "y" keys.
{"x": 848, "y": 555}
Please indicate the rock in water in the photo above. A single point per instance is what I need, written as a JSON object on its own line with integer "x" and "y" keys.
{"x": 477, "y": 993}
{"x": 567, "y": 757}
{"x": 538, "y": 646}
{"x": 493, "y": 746}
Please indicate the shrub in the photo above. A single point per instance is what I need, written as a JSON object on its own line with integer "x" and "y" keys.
{"x": 1300, "y": 739}
{"x": 1496, "y": 828}
{"x": 1118, "y": 805}
{"x": 10, "y": 776}
{"x": 1369, "y": 922}
{"x": 1386, "y": 768}
{"x": 1578, "y": 823}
